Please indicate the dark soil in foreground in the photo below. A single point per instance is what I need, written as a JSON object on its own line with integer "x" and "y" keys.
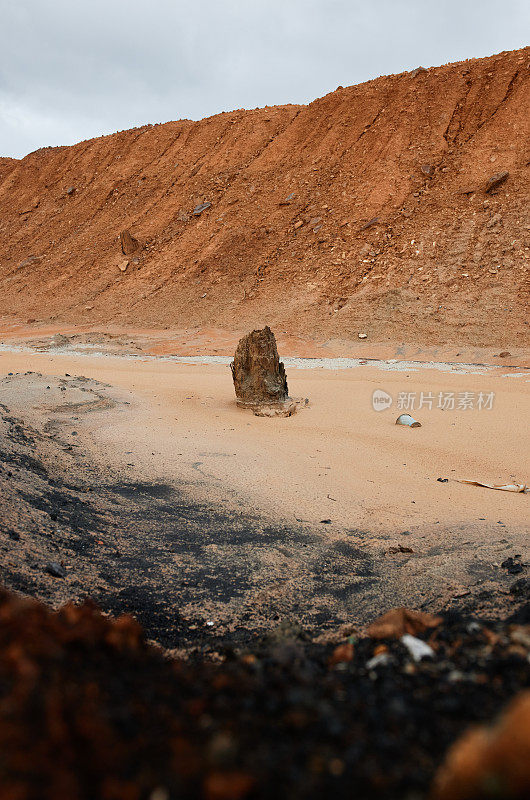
{"x": 88, "y": 710}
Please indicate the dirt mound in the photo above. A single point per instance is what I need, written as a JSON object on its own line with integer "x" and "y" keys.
{"x": 88, "y": 709}
{"x": 369, "y": 209}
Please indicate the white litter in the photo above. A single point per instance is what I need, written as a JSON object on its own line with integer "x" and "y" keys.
{"x": 416, "y": 647}
{"x": 378, "y": 661}
{"x": 502, "y": 487}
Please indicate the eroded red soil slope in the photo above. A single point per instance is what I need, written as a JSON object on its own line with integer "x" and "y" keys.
{"x": 388, "y": 227}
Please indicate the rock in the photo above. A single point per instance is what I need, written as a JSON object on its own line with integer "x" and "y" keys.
{"x": 342, "y": 654}
{"x": 129, "y": 244}
{"x": 496, "y": 180}
{"x": 70, "y": 191}
{"x": 399, "y": 621}
{"x": 259, "y": 376}
{"x": 287, "y": 200}
{"x": 496, "y": 757}
{"x": 123, "y": 266}
{"x": 513, "y": 565}
{"x": 362, "y": 335}
{"x": 55, "y": 569}
{"x": 298, "y": 224}
{"x": 197, "y": 211}
{"x": 495, "y": 220}
{"x": 427, "y": 169}
{"x": 417, "y": 71}
{"x": 369, "y": 224}
{"x": 400, "y": 548}
{"x": 504, "y": 354}
{"x": 59, "y": 340}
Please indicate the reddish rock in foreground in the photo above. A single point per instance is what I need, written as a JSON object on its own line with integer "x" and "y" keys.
{"x": 490, "y": 762}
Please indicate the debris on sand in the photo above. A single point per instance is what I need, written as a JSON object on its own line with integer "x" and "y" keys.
{"x": 259, "y": 376}
{"x": 406, "y": 419}
{"x": 502, "y": 487}
{"x": 490, "y": 762}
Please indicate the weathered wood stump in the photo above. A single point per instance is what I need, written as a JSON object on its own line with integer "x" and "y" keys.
{"x": 259, "y": 376}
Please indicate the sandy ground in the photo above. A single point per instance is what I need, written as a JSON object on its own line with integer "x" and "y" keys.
{"x": 340, "y": 474}
{"x": 381, "y": 476}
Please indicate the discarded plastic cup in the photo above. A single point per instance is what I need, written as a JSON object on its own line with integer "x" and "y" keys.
{"x": 406, "y": 419}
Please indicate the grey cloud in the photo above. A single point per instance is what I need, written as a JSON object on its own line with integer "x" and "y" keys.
{"x": 72, "y": 69}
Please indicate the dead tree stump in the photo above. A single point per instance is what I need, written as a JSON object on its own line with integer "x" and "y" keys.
{"x": 259, "y": 376}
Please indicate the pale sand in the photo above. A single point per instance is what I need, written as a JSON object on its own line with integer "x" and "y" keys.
{"x": 183, "y": 422}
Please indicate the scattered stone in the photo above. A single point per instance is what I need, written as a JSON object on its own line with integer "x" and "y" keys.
{"x": 427, "y": 169}
{"x": 325, "y": 522}
{"x": 298, "y": 224}
{"x": 123, "y": 266}
{"x": 495, "y": 220}
{"x": 496, "y": 180}
{"x": 55, "y": 569}
{"x": 129, "y": 244}
{"x": 342, "y": 654}
{"x": 513, "y": 565}
{"x": 370, "y": 222}
{"x": 504, "y": 354}
{"x": 362, "y": 335}
{"x": 442, "y": 480}
{"x": 288, "y": 199}
{"x": 197, "y": 211}
{"x": 399, "y": 621}
{"x": 259, "y": 376}
{"x": 70, "y": 191}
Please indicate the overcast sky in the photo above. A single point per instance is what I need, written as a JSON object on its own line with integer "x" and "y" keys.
{"x": 73, "y": 69}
